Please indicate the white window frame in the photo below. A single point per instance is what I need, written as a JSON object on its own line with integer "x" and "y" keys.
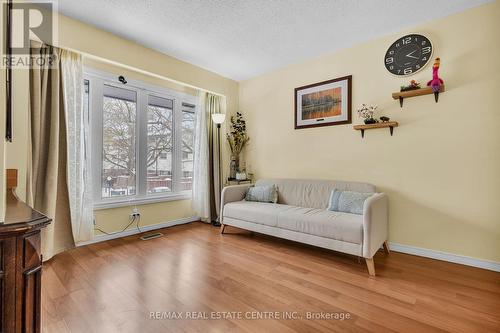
{"x": 97, "y": 79}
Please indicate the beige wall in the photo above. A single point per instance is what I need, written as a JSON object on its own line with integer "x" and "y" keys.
{"x": 111, "y": 220}
{"x": 441, "y": 168}
{"x": 91, "y": 41}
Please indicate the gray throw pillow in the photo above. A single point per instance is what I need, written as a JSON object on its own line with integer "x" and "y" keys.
{"x": 264, "y": 193}
{"x": 347, "y": 201}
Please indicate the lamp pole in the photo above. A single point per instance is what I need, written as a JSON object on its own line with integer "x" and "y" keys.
{"x": 216, "y": 223}
{"x": 218, "y": 119}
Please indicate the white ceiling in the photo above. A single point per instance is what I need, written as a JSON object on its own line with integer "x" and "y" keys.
{"x": 240, "y": 39}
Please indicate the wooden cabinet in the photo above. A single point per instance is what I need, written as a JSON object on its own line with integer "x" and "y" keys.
{"x": 20, "y": 265}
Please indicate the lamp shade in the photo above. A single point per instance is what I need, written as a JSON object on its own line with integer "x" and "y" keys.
{"x": 218, "y": 118}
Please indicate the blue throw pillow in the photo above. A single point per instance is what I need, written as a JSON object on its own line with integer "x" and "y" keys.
{"x": 266, "y": 193}
{"x": 347, "y": 201}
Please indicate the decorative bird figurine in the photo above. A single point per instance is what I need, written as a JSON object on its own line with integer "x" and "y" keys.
{"x": 436, "y": 81}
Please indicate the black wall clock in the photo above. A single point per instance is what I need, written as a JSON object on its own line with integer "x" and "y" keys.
{"x": 408, "y": 55}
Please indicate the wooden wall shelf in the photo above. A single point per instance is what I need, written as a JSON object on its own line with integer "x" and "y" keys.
{"x": 389, "y": 124}
{"x": 417, "y": 92}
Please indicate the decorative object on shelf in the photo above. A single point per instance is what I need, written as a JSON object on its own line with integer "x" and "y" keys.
{"x": 385, "y": 119}
{"x": 367, "y": 112}
{"x": 241, "y": 175}
{"x": 412, "y": 86}
{"x": 389, "y": 124}
{"x": 436, "y": 81}
{"x": 238, "y": 182}
{"x": 408, "y": 55}
{"x": 323, "y": 104}
{"x": 414, "y": 93}
{"x": 248, "y": 179}
{"x": 234, "y": 165}
{"x": 370, "y": 121}
{"x": 237, "y": 140}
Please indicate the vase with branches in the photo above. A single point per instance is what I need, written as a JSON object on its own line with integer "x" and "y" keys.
{"x": 237, "y": 139}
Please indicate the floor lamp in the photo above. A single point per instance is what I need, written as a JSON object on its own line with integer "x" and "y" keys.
{"x": 218, "y": 119}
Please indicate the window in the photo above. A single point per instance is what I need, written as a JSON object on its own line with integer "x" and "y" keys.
{"x": 188, "y": 118}
{"x": 160, "y": 143}
{"x": 118, "y": 142}
{"x": 142, "y": 141}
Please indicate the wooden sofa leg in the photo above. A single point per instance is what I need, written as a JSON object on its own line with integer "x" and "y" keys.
{"x": 371, "y": 266}
{"x": 386, "y": 247}
{"x": 222, "y": 227}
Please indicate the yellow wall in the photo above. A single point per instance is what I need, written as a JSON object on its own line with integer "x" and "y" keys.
{"x": 440, "y": 169}
{"x": 110, "y": 220}
{"x": 83, "y": 38}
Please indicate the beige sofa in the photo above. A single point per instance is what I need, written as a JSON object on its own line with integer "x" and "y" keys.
{"x": 301, "y": 215}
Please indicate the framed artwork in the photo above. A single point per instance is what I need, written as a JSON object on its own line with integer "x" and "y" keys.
{"x": 324, "y": 104}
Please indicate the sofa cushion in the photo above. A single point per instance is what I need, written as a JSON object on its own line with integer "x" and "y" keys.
{"x": 335, "y": 225}
{"x": 256, "y": 212}
{"x": 324, "y": 223}
{"x": 348, "y": 201}
{"x": 264, "y": 193}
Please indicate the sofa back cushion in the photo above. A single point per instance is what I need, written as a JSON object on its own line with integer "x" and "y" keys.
{"x": 312, "y": 193}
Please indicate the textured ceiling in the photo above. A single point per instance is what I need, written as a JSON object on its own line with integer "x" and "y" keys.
{"x": 240, "y": 39}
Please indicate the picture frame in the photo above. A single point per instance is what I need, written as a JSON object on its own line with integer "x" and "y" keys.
{"x": 324, "y": 103}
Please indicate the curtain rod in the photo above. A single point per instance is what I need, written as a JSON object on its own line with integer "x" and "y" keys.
{"x": 141, "y": 71}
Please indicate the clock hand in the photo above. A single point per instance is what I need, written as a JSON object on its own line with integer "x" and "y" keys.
{"x": 409, "y": 55}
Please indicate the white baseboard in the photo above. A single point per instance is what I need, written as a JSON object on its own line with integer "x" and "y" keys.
{"x": 134, "y": 231}
{"x": 445, "y": 256}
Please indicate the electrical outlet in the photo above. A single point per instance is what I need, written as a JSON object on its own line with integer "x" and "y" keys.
{"x": 135, "y": 212}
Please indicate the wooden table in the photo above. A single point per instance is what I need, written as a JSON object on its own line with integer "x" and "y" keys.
{"x": 21, "y": 263}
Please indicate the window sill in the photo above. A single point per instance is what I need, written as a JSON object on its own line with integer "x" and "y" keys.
{"x": 141, "y": 201}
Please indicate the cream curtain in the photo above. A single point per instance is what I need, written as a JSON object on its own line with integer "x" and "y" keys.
{"x": 78, "y": 164}
{"x": 47, "y": 189}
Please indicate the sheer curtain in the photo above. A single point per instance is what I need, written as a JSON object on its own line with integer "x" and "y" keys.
{"x": 206, "y": 189}
{"x": 57, "y": 173}
{"x": 201, "y": 179}
{"x": 78, "y": 167}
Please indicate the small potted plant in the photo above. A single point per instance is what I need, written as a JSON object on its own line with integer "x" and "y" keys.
{"x": 367, "y": 112}
{"x": 414, "y": 85}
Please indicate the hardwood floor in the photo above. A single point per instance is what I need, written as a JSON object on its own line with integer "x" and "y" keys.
{"x": 113, "y": 286}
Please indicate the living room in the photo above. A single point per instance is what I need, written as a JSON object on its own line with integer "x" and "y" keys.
{"x": 254, "y": 166}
